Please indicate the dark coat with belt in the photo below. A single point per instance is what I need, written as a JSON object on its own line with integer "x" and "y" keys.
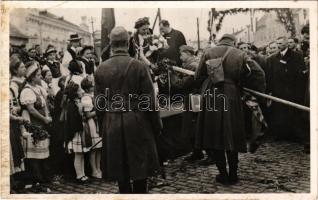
{"x": 286, "y": 79}
{"x": 222, "y": 126}
{"x": 129, "y": 147}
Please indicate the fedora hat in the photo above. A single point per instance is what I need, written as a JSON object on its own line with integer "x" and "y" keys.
{"x": 74, "y": 37}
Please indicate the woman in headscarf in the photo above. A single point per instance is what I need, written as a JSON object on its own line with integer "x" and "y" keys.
{"x": 36, "y": 111}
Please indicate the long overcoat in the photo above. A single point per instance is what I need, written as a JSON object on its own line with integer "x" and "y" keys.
{"x": 129, "y": 147}
{"x": 221, "y": 122}
{"x": 286, "y": 79}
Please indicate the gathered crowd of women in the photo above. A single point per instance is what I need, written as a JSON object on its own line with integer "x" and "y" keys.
{"x": 47, "y": 112}
{"x": 55, "y": 131}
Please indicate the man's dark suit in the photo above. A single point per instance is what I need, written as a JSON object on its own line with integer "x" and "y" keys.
{"x": 286, "y": 80}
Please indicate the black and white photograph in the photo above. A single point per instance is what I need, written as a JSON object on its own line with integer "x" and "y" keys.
{"x": 152, "y": 100}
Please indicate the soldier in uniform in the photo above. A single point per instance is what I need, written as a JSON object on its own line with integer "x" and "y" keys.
{"x": 128, "y": 133}
{"x": 221, "y": 122}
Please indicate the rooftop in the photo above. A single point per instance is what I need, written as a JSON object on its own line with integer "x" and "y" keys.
{"x": 15, "y": 32}
{"x": 45, "y": 13}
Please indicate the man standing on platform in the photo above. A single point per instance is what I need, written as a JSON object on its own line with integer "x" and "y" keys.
{"x": 286, "y": 80}
{"x": 175, "y": 39}
{"x": 128, "y": 132}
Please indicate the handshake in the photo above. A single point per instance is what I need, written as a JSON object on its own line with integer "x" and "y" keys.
{"x": 164, "y": 65}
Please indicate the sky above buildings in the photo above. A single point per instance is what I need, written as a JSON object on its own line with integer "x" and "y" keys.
{"x": 183, "y": 19}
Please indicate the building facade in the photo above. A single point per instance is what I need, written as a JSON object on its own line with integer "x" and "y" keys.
{"x": 269, "y": 28}
{"x": 44, "y": 28}
{"x": 17, "y": 38}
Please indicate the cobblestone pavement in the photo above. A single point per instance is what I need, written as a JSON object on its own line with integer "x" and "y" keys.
{"x": 275, "y": 167}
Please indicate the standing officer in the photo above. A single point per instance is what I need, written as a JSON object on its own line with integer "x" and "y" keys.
{"x": 221, "y": 122}
{"x": 128, "y": 128}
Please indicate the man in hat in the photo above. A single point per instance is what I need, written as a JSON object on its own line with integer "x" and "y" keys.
{"x": 175, "y": 39}
{"x": 54, "y": 66}
{"x": 128, "y": 131}
{"x": 220, "y": 125}
{"x": 71, "y": 53}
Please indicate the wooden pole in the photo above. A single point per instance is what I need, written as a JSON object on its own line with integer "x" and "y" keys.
{"x": 154, "y": 23}
{"x": 266, "y": 96}
{"x": 198, "y": 32}
{"x": 211, "y": 25}
{"x": 93, "y": 34}
{"x": 159, "y": 15}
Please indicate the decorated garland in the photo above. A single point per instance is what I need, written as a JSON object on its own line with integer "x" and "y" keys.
{"x": 284, "y": 15}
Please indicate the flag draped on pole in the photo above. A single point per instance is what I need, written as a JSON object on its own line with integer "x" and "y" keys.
{"x": 108, "y": 23}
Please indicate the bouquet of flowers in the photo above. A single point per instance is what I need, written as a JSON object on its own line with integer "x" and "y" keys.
{"x": 156, "y": 43}
{"x": 37, "y": 133}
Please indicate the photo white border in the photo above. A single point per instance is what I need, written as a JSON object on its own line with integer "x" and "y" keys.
{"x": 4, "y": 84}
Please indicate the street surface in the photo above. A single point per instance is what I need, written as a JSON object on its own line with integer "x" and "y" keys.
{"x": 276, "y": 167}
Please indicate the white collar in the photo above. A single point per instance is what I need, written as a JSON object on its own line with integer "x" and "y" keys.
{"x": 73, "y": 48}
{"x": 283, "y": 53}
{"x": 85, "y": 58}
{"x": 18, "y": 79}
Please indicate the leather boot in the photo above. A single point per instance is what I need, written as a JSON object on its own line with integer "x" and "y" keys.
{"x": 233, "y": 162}
{"x": 223, "y": 176}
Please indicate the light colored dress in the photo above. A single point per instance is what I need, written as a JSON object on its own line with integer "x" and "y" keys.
{"x": 87, "y": 103}
{"x": 34, "y": 95}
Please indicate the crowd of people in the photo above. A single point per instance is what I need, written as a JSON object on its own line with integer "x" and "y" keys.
{"x": 57, "y": 132}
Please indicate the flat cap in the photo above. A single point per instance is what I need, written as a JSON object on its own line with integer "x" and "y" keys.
{"x": 186, "y": 48}
{"x": 119, "y": 33}
{"x": 228, "y": 36}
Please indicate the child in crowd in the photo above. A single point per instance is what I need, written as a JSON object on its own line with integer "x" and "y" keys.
{"x": 90, "y": 122}
{"x": 76, "y": 140}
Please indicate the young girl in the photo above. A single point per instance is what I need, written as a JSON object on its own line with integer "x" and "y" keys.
{"x": 75, "y": 139}
{"x": 90, "y": 121}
